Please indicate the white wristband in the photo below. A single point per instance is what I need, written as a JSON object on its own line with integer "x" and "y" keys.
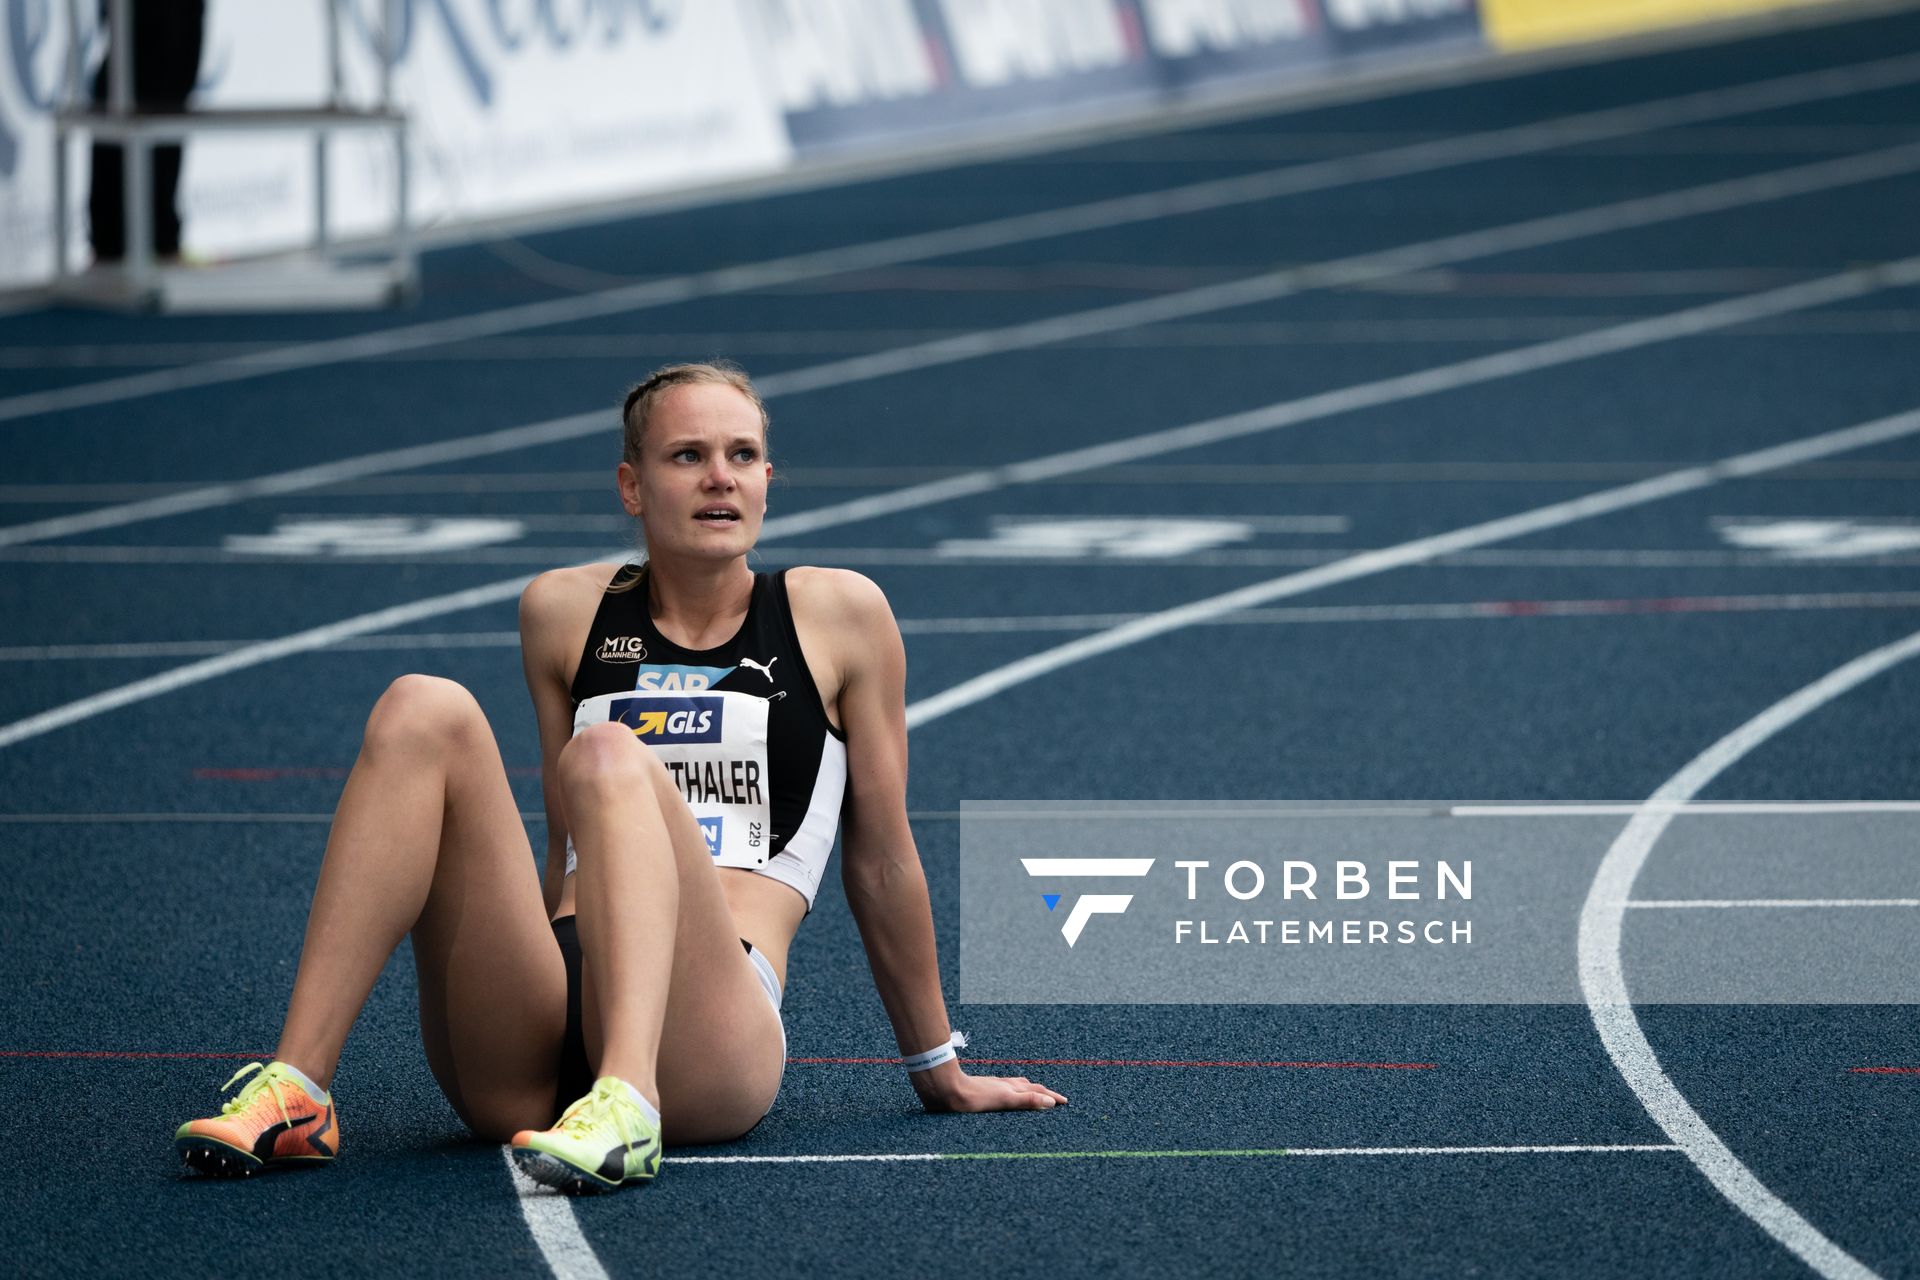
{"x": 934, "y": 1057}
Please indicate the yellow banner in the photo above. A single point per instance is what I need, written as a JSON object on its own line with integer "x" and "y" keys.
{"x": 1529, "y": 24}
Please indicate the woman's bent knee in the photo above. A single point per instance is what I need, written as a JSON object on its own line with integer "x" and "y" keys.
{"x": 607, "y": 758}
{"x": 418, "y": 710}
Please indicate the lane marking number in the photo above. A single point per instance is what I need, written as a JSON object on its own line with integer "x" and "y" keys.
{"x": 1823, "y": 538}
{"x": 376, "y": 536}
{"x": 1124, "y": 537}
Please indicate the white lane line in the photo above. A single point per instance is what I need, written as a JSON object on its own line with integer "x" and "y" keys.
{"x": 1288, "y": 413}
{"x": 141, "y": 819}
{"x": 300, "y": 479}
{"x": 1769, "y": 904}
{"x": 744, "y": 345}
{"x": 549, "y": 1218}
{"x": 890, "y": 1157}
{"x": 547, "y": 554}
{"x": 1416, "y": 809}
{"x": 1423, "y": 157}
{"x": 1737, "y": 139}
{"x": 922, "y": 1157}
{"x": 1603, "y": 980}
{"x": 1420, "y": 550}
{"x": 953, "y": 815}
{"x": 1461, "y": 611}
{"x": 1629, "y": 1148}
{"x": 473, "y": 483}
{"x": 83, "y": 819}
{"x": 253, "y": 655}
{"x": 1383, "y": 264}
{"x": 1720, "y": 808}
{"x": 1469, "y": 610}
{"x": 207, "y": 648}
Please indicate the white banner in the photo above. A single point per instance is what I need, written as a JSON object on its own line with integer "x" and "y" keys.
{"x": 33, "y": 67}
{"x": 516, "y": 104}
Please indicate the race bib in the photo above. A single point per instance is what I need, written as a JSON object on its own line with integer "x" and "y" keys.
{"x": 714, "y": 745}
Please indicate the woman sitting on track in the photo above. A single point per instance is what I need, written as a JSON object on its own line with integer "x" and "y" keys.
{"x": 701, "y": 729}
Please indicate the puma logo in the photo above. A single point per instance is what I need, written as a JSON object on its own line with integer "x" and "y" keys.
{"x": 765, "y": 670}
{"x": 263, "y": 1146}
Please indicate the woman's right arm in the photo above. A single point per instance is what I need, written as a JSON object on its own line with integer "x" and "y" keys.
{"x": 553, "y": 631}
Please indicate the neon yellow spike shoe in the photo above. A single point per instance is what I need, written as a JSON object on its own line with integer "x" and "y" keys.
{"x": 273, "y": 1121}
{"x": 602, "y": 1142}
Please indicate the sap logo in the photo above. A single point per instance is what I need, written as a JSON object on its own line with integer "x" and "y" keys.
{"x": 836, "y": 53}
{"x": 1181, "y": 28}
{"x": 1087, "y": 905}
{"x": 997, "y": 42}
{"x": 622, "y": 649}
{"x": 712, "y": 828}
{"x": 666, "y": 720}
{"x": 668, "y": 679}
{"x": 1358, "y": 15}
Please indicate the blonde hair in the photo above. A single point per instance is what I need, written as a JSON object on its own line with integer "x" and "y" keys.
{"x": 636, "y": 414}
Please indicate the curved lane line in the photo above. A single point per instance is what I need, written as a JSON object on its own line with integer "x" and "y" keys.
{"x": 1604, "y": 984}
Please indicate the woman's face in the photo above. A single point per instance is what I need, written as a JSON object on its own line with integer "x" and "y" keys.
{"x": 701, "y": 487}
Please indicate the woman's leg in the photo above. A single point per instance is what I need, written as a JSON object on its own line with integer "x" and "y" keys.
{"x": 673, "y": 1006}
{"x": 427, "y": 840}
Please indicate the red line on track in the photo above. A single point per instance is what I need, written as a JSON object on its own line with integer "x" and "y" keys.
{"x": 1126, "y": 1062}
{"x": 1884, "y": 1071}
{"x": 1685, "y": 604}
{"x": 119, "y": 1054}
{"x": 325, "y": 773}
{"x": 135, "y": 1055}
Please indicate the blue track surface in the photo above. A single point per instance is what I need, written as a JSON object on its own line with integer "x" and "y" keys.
{"x": 152, "y": 848}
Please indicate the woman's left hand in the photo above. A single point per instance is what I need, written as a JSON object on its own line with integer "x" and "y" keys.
{"x": 958, "y": 1091}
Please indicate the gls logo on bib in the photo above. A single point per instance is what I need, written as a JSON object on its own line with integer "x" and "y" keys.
{"x": 664, "y": 720}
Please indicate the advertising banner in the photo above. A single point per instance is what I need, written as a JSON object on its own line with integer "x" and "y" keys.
{"x": 850, "y": 70}
{"x": 33, "y": 80}
{"x": 515, "y": 106}
{"x": 1196, "y": 41}
{"x": 521, "y": 105}
{"x": 1527, "y": 24}
{"x": 1378, "y": 26}
{"x": 854, "y": 70}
